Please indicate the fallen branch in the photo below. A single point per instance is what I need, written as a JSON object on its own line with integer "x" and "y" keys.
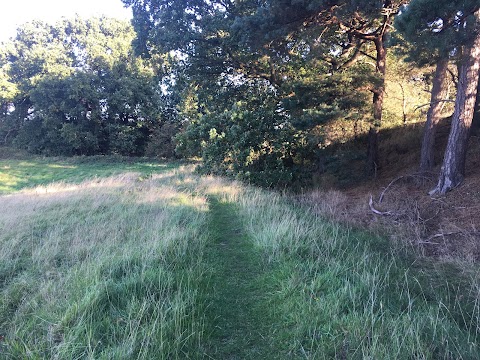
{"x": 428, "y": 242}
{"x": 375, "y": 211}
{"x": 380, "y": 199}
{"x": 431, "y": 237}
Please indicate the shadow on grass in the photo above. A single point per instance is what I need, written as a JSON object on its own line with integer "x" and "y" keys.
{"x": 240, "y": 318}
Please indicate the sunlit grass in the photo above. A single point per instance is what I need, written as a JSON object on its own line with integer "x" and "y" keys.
{"x": 16, "y": 174}
{"x": 7, "y": 181}
{"x": 116, "y": 267}
{"x": 94, "y": 271}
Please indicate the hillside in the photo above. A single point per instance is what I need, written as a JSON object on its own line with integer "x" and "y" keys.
{"x": 444, "y": 227}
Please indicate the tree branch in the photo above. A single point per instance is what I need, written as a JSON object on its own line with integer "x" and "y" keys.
{"x": 375, "y": 211}
{"x": 433, "y": 102}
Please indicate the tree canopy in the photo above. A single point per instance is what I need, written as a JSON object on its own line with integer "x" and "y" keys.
{"x": 77, "y": 88}
{"x": 271, "y": 92}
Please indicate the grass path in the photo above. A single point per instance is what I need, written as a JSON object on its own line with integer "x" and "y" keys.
{"x": 239, "y": 322}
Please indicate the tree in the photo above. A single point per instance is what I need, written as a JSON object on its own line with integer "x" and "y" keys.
{"x": 453, "y": 167}
{"x": 313, "y": 56}
{"x": 449, "y": 27}
{"x": 80, "y": 90}
{"x": 432, "y": 36}
{"x": 340, "y": 33}
{"x": 8, "y": 92}
{"x": 434, "y": 114}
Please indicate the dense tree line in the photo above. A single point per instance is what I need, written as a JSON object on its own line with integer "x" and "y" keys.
{"x": 77, "y": 88}
{"x": 305, "y": 63}
{"x": 252, "y": 87}
{"x": 267, "y": 76}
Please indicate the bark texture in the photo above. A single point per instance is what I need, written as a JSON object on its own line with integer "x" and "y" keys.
{"x": 439, "y": 92}
{"x": 453, "y": 168}
{"x": 378, "y": 95}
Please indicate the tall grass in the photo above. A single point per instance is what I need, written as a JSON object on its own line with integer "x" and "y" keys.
{"x": 350, "y": 295}
{"x": 114, "y": 268}
{"x": 106, "y": 269}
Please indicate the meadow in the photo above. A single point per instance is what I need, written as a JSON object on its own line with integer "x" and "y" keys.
{"x": 107, "y": 258}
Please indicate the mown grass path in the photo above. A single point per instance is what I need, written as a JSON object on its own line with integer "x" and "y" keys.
{"x": 239, "y": 321}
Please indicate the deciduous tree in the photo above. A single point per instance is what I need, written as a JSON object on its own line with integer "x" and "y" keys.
{"x": 78, "y": 88}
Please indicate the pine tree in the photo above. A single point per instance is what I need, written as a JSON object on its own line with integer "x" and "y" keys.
{"x": 355, "y": 29}
{"x": 434, "y": 35}
{"x": 274, "y": 41}
{"x": 434, "y": 115}
{"x": 453, "y": 167}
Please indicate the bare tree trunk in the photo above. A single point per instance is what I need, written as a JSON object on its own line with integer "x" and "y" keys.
{"x": 453, "y": 168}
{"x": 404, "y": 105}
{"x": 439, "y": 92}
{"x": 378, "y": 95}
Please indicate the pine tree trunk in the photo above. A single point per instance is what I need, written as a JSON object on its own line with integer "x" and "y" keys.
{"x": 439, "y": 91}
{"x": 378, "y": 95}
{"x": 453, "y": 168}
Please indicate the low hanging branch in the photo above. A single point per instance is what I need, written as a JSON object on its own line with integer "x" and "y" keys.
{"x": 433, "y": 102}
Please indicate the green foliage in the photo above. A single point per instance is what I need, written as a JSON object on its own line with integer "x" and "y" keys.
{"x": 429, "y": 29}
{"x": 162, "y": 140}
{"x": 291, "y": 65}
{"x": 250, "y": 139}
{"x": 78, "y": 89}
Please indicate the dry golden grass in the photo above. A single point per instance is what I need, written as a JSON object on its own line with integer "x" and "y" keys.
{"x": 442, "y": 227}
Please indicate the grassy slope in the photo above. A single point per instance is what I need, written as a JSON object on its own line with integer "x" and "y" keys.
{"x": 351, "y": 295}
{"x": 174, "y": 266}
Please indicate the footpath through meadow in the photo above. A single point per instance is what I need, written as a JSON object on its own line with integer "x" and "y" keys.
{"x": 239, "y": 321}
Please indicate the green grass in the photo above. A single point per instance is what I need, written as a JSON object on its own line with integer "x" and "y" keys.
{"x": 351, "y": 295}
{"x": 16, "y": 174}
{"x": 106, "y": 269}
{"x": 153, "y": 262}
{"x": 239, "y": 323}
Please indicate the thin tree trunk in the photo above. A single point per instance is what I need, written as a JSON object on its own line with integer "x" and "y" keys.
{"x": 404, "y": 105}
{"x": 439, "y": 91}
{"x": 453, "y": 168}
{"x": 378, "y": 95}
